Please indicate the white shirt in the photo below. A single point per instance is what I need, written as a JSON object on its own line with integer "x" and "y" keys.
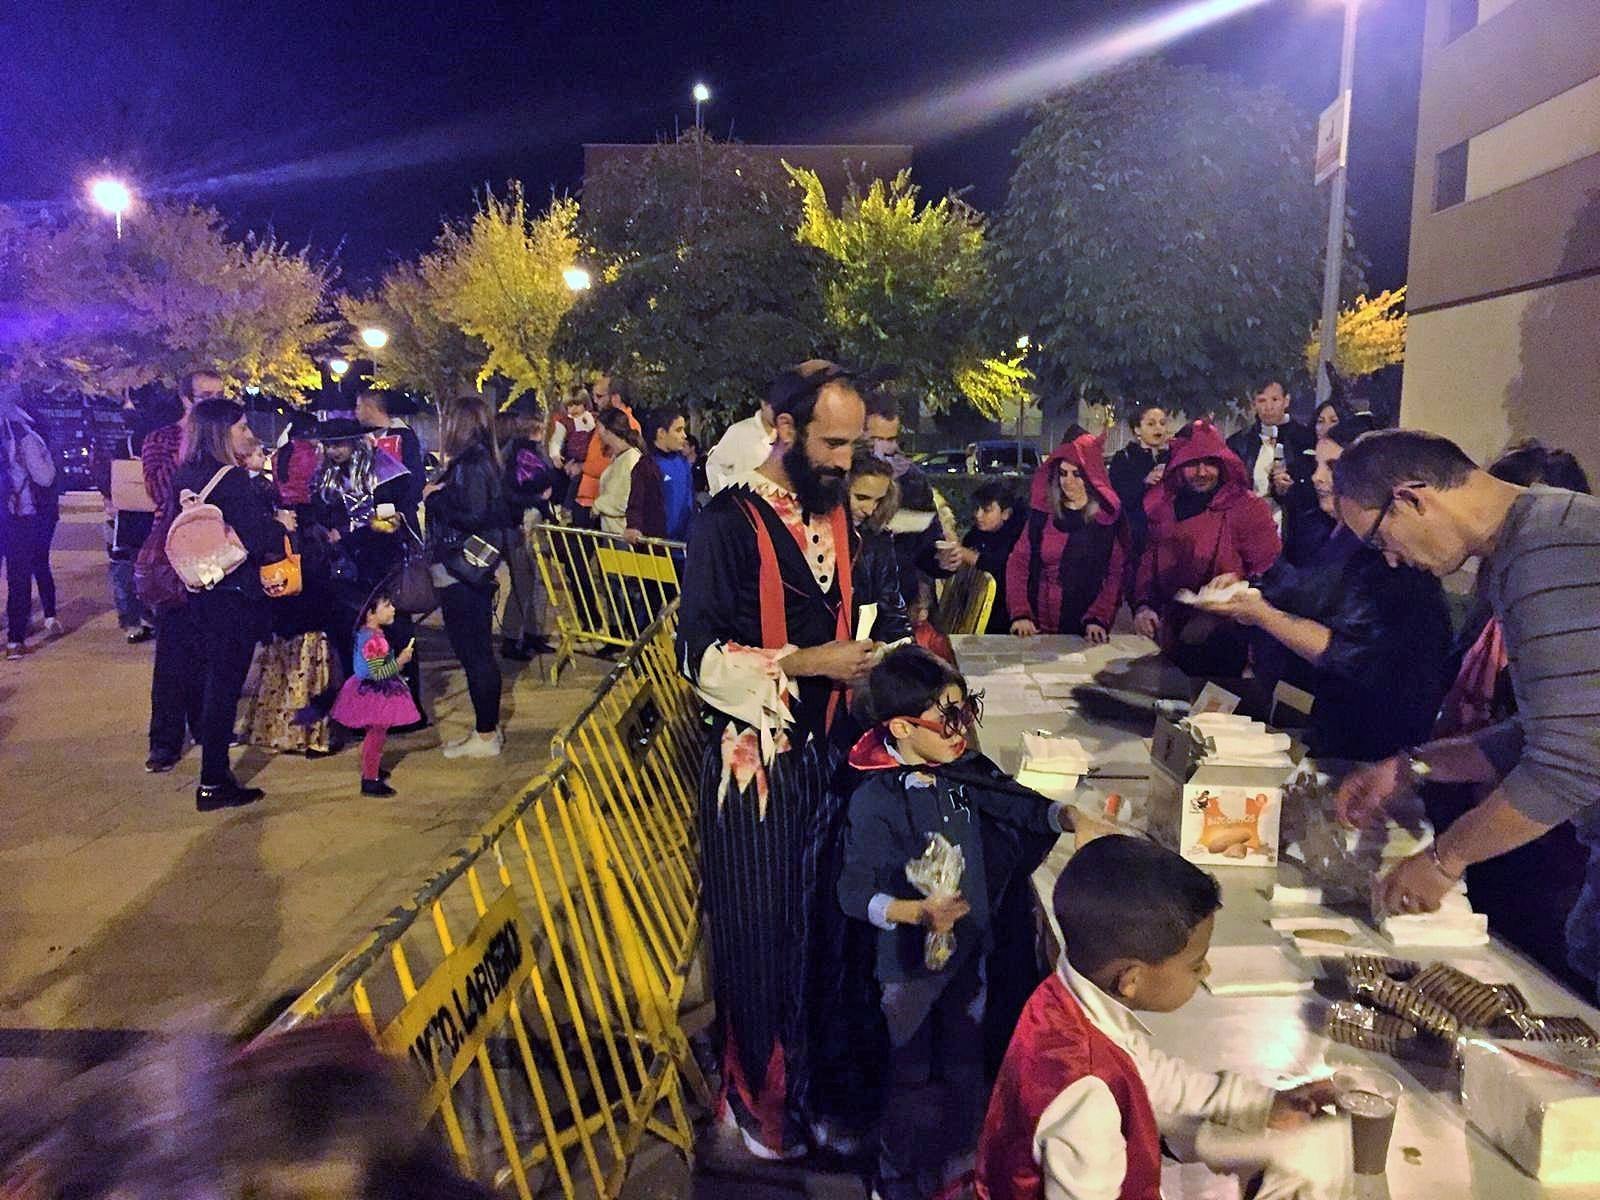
{"x": 616, "y": 485}
{"x": 1078, "y": 1143}
{"x": 1262, "y": 472}
{"x": 744, "y": 447}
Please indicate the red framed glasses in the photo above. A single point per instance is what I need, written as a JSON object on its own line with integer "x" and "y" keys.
{"x": 954, "y": 720}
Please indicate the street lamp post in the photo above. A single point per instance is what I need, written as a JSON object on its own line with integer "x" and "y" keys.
{"x": 374, "y": 339}
{"x": 111, "y": 196}
{"x": 701, "y": 94}
{"x": 1333, "y": 265}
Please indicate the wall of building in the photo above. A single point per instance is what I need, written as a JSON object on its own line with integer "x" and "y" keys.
{"x": 1504, "y": 285}
{"x": 1522, "y": 365}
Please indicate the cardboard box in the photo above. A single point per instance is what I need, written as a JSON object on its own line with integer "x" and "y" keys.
{"x": 1544, "y": 1122}
{"x": 1212, "y": 814}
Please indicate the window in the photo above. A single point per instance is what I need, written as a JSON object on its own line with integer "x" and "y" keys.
{"x": 1463, "y": 16}
{"x": 1450, "y": 177}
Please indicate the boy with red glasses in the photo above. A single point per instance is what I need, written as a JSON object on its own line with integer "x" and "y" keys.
{"x": 921, "y": 781}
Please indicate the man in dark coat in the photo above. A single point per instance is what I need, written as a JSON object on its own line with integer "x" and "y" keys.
{"x": 1280, "y": 455}
{"x": 773, "y": 597}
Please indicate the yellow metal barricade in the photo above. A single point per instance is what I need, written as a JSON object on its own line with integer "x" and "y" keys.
{"x": 534, "y": 978}
{"x": 965, "y": 602}
{"x": 603, "y": 589}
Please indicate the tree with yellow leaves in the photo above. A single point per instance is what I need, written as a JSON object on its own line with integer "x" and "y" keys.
{"x": 427, "y": 352}
{"x": 1370, "y": 335}
{"x": 498, "y": 278}
{"x": 905, "y": 285}
{"x": 102, "y": 314}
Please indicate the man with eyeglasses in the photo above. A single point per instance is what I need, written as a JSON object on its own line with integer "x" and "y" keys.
{"x": 1419, "y": 500}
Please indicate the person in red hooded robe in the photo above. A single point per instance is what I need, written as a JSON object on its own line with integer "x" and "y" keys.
{"x": 1205, "y": 520}
{"x": 1065, "y": 574}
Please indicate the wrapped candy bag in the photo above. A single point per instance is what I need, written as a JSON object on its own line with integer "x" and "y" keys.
{"x": 938, "y": 873}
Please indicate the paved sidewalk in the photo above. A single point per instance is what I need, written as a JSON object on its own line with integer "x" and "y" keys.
{"x": 122, "y": 907}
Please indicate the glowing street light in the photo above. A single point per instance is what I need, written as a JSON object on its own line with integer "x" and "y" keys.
{"x": 338, "y": 366}
{"x": 375, "y": 338}
{"x": 111, "y": 196}
{"x": 701, "y": 95}
{"x": 1024, "y": 342}
{"x": 577, "y": 278}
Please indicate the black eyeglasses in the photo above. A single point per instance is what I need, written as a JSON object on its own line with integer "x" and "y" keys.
{"x": 1373, "y": 538}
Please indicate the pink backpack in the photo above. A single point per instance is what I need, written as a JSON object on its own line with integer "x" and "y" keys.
{"x": 200, "y": 545}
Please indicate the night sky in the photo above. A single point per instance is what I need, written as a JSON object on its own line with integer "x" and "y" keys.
{"x": 357, "y": 126}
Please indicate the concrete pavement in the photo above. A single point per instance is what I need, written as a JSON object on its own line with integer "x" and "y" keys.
{"x": 122, "y": 907}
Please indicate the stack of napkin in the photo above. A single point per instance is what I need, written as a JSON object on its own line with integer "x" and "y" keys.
{"x": 1455, "y": 924}
{"x": 1237, "y": 741}
{"x": 1054, "y": 754}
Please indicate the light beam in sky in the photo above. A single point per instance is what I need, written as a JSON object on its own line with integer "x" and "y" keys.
{"x": 977, "y": 101}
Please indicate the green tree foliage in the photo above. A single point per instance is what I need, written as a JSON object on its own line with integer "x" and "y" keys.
{"x": 1162, "y": 239}
{"x": 498, "y": 278}
{"x": 427, "y": 352}
{"x": 702, "y": 289}
{"x": 906, "y": 286}
{"x": 98, "y": 314}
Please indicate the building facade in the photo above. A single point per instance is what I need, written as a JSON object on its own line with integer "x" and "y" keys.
{"x": 1504, "y": 280}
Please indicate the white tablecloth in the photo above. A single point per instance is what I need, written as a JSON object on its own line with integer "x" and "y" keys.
{"x": 1271, "y": 1038}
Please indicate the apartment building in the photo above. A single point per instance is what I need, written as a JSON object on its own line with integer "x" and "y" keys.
{"x": 1504, "y": 281}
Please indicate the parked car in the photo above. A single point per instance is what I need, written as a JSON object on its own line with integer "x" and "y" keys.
{"x": 1003, "y": 458}
{"x": 944, "y": 462}
{"x": 995, "y": 457}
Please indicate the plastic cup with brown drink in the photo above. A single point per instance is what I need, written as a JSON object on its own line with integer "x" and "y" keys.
{"x": 1370, "y": 1098}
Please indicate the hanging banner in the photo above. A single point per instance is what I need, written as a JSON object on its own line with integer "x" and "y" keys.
{"x": 1333, "y": 138}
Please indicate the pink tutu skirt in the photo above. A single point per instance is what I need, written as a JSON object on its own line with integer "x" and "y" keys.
{"x": 364, "y": 703}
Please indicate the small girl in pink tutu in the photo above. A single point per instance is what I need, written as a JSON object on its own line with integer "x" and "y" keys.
{"x": 375, "y": 696}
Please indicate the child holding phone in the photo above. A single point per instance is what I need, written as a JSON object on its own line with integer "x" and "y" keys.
{"x": 375, "y": 697}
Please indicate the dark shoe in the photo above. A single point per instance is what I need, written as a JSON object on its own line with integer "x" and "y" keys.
{"x": 210, "y": 797}
{"x": 159, "y": 764}
{"x": 514, "y": 651}
{"x": 141, "y": 633}
{"x": 376, "y": 787}
{"x": 537, "y": 643}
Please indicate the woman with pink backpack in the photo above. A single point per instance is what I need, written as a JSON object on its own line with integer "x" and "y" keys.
{"x": 229, "y": 607}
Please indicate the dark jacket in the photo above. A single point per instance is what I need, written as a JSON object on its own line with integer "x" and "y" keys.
{"x": 1068, "y": 571}
{"x": 529, "y": 476}
{"x": 1379, "y": 684}
{"x": 659, "y": 506}
{"x": 1128, "y": 469}
{"x": 471, "y": 501}
{"x": 248, "y": 512}
{"x": 894, "y": 811}
{"x": 721, "y": 599}
{"x": 1305, "y": 525}
{"x": 993, "y": 551}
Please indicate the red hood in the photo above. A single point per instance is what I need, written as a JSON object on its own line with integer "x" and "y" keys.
{"x": 1200, "y": 440}
{"x": 1087, "y": 453}
{"x": 871, "y": 751}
